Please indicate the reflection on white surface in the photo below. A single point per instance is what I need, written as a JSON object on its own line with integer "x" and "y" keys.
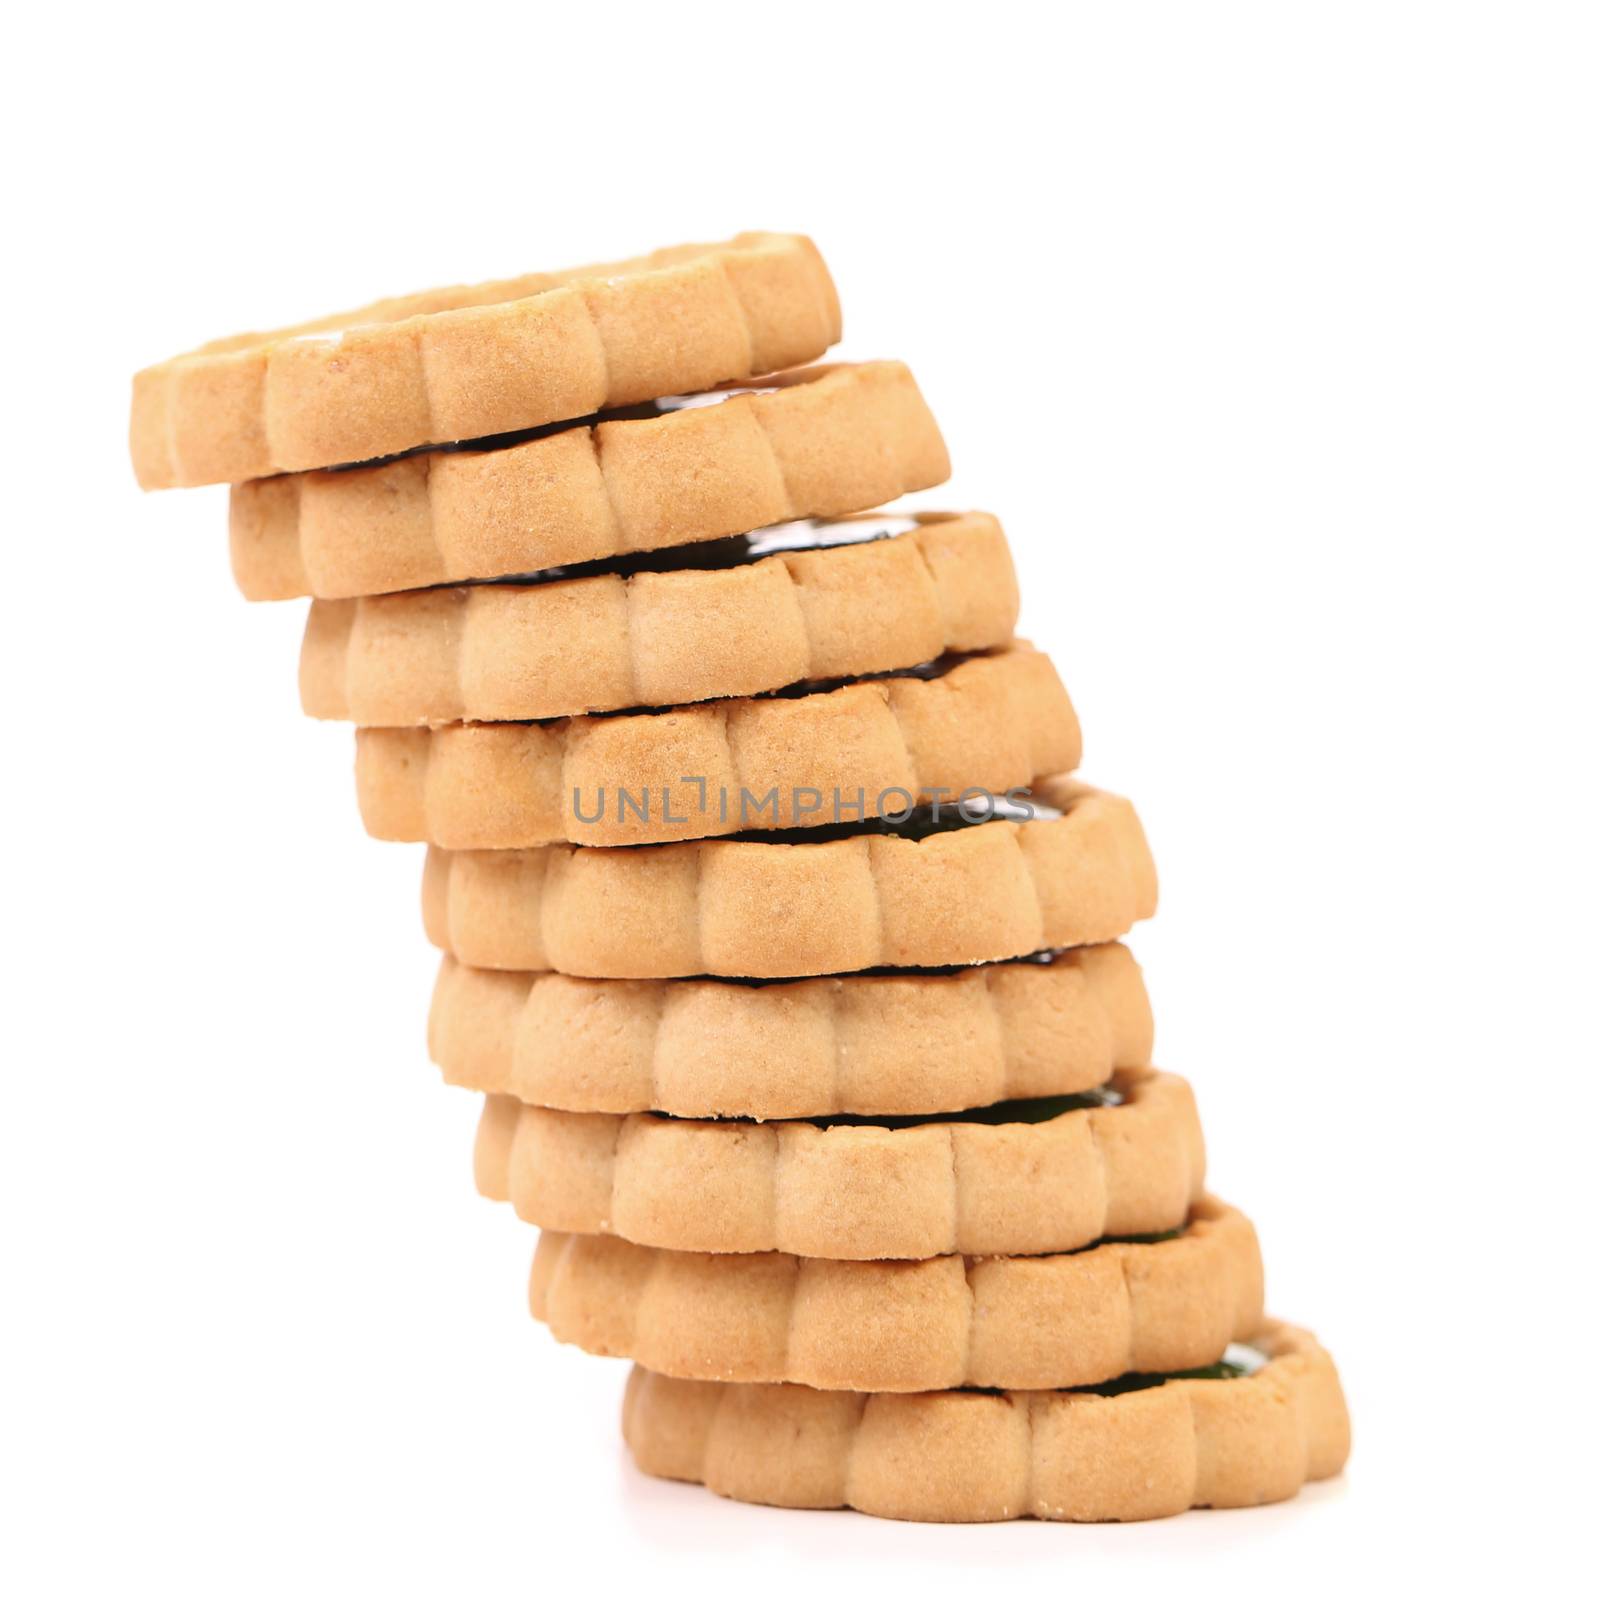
{"x": 688, "y": 1524}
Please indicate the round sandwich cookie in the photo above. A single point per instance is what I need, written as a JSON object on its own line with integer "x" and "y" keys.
{"x": 817, "y": 442}
{"x": 489, "y": 358}
{"x": 935, "y": 890}
{"x": 739, "y": 616}
{"x": 1158, "y": 1304}
{"x": 996, "y": 721}
{"x": 893, "y": 1043}
{"x": 1250, "y": 1430}
{"x": 1025, "y": 1177}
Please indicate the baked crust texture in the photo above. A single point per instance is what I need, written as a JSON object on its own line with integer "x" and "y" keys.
{"x": 854, "y": 1192}
{"x": 1002, "y": 1322}
{"x": 749, "y": 908}
{"x": 893, "y": 1045}
{"x": 828, "y": 440}
{"x": 608, "y": 642}
{"x": 978, "y": 1457}
{"x": 994, "y": 722}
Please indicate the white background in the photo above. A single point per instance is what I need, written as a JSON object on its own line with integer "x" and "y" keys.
{"x": 1271, "y": 332}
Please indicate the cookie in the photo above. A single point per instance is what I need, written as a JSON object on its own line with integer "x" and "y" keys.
{"x": 879, "y": 1045}
{"x": 462, "y": 363}
{"x": 992, "y": 721}
{"x": 1000, "y": 1322}
{"x": 1151, "y": 1450}
{"x": 732, "y": 617}
{"x": 1079, "y": 874}
{"x": 981, "y": 1182}
{"x": 813, "y": 443}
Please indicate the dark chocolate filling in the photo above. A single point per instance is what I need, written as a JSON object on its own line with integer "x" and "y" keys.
{"x": 1045, "y": 1108}
{"x": 1133, "y": 1382}
{"x": 922, "y": 822}
{"x": 926, "y": 670}
{"x": 713, "y": 555}
{"x": 1145, "y": 1238}
{"x": 1035, "y": 958}
{"x": 642, "y": 411}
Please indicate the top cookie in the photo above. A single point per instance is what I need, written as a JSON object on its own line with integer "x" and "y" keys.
{"x": 465, "y": 362}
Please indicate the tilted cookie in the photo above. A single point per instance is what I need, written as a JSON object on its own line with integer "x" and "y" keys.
{"x": 1002, "y": 1322}
{"x": 818, "y": 442}
{"x": 896, "y": 1044}
{"x": 1147, "y": 1448}
{"x": 990, "y": 721}
{"x": 1078, "y": 873}
{"x": 487, "y": 358}
{"x": 743, "y": 616}
{"x": 979, "y": 1182}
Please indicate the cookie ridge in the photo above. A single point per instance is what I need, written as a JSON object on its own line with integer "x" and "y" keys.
{"x": 876, "y": 1045}
{"x": 824, "y": 442}
{"x": 753, "y": 909}
{"x": 853, "y": 1193}
{"x": 996, "y": 721}
{"x": 966, "y": 1457}
{"x": 997, "y": 1322}
{"x": 511, "y": 652}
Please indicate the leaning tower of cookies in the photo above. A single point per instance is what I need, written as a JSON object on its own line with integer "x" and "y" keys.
{"x": 775, "y": 932}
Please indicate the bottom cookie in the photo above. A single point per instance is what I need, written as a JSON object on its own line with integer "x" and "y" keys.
{"x": 1144, "y": 1446}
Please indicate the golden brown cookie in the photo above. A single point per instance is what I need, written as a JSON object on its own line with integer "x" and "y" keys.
{"x": 858, "y": 1191}
{"x": 461, "y": 363}
{"x": 1004, "y": 1322}
{"x": 851, "y": 597}
{"x": 748, "y": 908}
{"x": 966, "y": 1456}
{"x": 899, "y": 1044}
{"x": 818, "y": 442}
{"x": 994, "y": 721}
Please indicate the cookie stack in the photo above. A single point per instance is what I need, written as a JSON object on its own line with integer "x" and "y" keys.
{"x": 775, "y": 933}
